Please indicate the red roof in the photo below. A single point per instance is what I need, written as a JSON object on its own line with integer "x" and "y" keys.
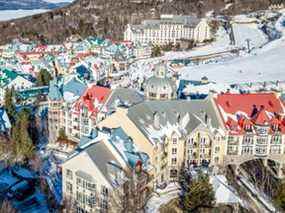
{"x": 93, "y": 98}
{"x": 260, "y": 109}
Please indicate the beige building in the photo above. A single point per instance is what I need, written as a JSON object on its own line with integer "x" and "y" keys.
{"x": 178, "y": 133}
{"x": 171, "y": 133}
{"x": 168, "y": 29}
{"x": 75, "y": 108}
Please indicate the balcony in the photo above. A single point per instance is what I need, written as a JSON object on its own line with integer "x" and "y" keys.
{"x": 261, "y": 151}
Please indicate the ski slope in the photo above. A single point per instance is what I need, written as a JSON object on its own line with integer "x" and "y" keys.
{"x": 264, "y": 64}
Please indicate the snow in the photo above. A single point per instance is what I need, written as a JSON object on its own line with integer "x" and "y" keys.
{"x": 255, "y": 68}
{"x": 6, "y": 15}
{"x": 223, "y": 193}
{"x": 249, "y": 31}
{"x": 161, "y": 198}
{"x": 262, "y": 64}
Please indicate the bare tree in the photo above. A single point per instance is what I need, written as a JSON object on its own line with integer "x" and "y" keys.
{"x": 7, "y": 207}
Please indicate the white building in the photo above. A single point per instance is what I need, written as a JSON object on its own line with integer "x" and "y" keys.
{"x": 95, "y": 176}
{"x": 169, "y": 28}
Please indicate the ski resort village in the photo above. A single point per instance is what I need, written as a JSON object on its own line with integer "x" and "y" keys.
{"x": 184, "y": 114}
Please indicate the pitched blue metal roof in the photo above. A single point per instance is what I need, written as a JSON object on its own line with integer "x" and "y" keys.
{"x": 125, "y": 146}
{"x": 83, "y": 72}
{"x": 54, "y": 90}
{"x": 74, "y": 86}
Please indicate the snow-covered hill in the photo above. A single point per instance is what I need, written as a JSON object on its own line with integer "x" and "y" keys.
{"x": 264, "y": 64}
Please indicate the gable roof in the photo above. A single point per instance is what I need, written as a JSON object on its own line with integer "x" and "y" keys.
{"x": 102, "y": 157}
{"x": 93, "y": 99}
{"x": 259, "y": 108}
{"x": 174, "y": 116}
{"x": 123, "y": 97}
{"x": 8, "y": 75}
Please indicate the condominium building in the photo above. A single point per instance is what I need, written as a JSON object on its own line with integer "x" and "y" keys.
{"x": 76, "y": 108}
{"x": 106, "y": 174}
{"x": 168, "y": 29}
{"x": 255, "y": 127}
{"x": 224, "y": 129}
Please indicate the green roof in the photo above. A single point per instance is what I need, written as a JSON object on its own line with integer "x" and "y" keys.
{"x": 6, "y": 76}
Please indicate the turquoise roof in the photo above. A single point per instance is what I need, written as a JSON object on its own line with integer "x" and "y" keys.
{"x": 8, "y": 75}
{"x": 54, "y": 90}
{"x": 33, "y": 92}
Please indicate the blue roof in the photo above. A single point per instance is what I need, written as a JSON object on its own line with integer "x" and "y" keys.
{"x": 74, "y": 86}
{"x": 4, "y": 120}
{"x": 126, "y": 148}
{"x": 83, "y": 72}
{"x": 57, "y": 88}
{"x": 54, "y": 90}
{"x": 33, "y": 92}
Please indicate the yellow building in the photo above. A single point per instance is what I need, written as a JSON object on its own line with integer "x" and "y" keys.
{"x": 170, "y": 132}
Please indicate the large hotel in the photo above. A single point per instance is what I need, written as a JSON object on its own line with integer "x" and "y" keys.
{"x": 162, "y": 134}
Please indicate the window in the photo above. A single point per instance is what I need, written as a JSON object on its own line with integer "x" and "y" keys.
{"x": 79, "y": 182}
{"x": 91, "y": 201}
{"x": 217, "y": 149}
{"x": 68, "y": 188}
{"x": 174, "y": 151}
{"x": 104, "y": 191}
{"x": 173, "y": 161}
{"x": 91, "y": 186}
{"x": 69, "y": 174}
{"x": 174, "y": 140}
{"x": 104, "y": 204}
{"x": 173, "y": 173}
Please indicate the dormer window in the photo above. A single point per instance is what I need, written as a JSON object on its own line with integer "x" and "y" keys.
{"x": 275, "y": 127}
{"x": 248, "y": 127}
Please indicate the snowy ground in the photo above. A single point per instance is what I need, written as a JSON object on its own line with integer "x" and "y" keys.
{"x": 162, "y": 197}
{"x": 267, "y": 63}
{"x": 6, "y": 15}
{"x": 224, "y": 194}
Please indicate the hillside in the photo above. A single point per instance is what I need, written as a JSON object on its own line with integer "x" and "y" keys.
{"x": 109, "y": 17}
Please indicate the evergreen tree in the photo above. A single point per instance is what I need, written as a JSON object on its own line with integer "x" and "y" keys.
{"x": 61, "y": 135}
{"x": 195, "y": 192}
{"x": 23, "y": 147}
{"x": 156, "y": 51}
{"x": 9, "y": 104}
{"x": 279, "y": 198}
{"x": 43, "y": 78}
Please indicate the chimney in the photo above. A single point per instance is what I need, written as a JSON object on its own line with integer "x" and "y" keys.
{"x": 206, "y": 118}
{"x": 156, "y": 123}
{"x": 178, "y": 117}
{"x": 254, "y": 111}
